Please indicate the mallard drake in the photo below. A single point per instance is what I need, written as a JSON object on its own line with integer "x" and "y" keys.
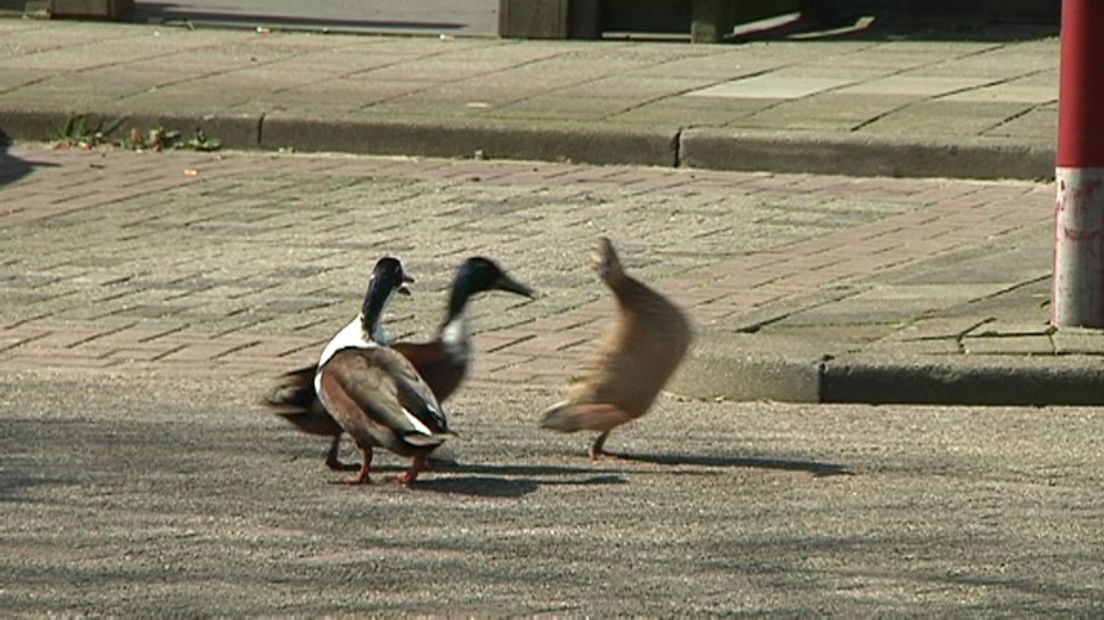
{"x": 634, "y": 361}
{"x": 442, "y": 362}
{"x": 374, "y": 393}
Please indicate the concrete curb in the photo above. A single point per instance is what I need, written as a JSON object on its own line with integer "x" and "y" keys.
{"x": 819, "y": 153}
{"x": 234, "y": 131}
{"x": 592, "y": 143}
{"x": 1075, "y": 380}
{"x": 875, "y": 379}
{"x": 575, "y": 142}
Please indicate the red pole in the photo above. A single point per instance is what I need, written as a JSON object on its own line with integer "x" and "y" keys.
{"x": 1077, "y": 288}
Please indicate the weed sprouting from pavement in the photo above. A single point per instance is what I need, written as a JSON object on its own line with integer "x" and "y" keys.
{"x": 79, "y": 132}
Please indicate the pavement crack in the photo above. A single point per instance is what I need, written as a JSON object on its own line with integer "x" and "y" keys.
{"x": 1049, "y": 331}
{"x": 798, "y": 309}
{"x": 960, "y": 337}
{"x": 432, "y": 86}
{"x": 1024, "y": 112}
{"x": 877, "y": 117}
{"x": 1013, "y": 287}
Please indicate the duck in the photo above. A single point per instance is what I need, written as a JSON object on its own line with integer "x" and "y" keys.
{"x": 634, "y": 360}
{"x": 373, "y": 392}
{"x": 443, "y": 362}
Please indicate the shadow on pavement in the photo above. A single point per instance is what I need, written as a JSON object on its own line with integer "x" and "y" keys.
{"x": 522, "y": 470}
{"x": 816, "y": 468}
{"x": 507, "y": 480}
{"x": 890, "y": 25}
{"x": 478, "y": 486}
{"x": 495, "y": 486}
{"x": 16, "y": 487}
{"x": 11, "y": 168}
{"x": 181, "y": 12}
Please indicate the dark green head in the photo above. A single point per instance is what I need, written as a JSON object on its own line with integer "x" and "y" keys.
{"x": 478, "y": 274}
{"x": 387, "y": 278}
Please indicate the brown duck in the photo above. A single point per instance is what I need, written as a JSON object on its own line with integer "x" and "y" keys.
{"x": 633, "y": 362}
{"x": 442, "y": 362}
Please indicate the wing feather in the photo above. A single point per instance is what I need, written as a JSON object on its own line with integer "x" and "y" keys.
{"x": 377, "y": 393}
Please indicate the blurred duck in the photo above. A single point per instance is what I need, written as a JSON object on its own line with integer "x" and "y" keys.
{"x": 374, "y": 393}
{"x": 634, "y": 361}
{"x": 442, "y": 362}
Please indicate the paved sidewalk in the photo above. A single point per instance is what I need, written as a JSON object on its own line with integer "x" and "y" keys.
{"x": 806, "y": 288}
{"x": 866, "y": 102}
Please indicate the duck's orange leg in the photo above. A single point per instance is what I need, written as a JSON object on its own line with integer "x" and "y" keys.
{"x": 361, "y": 476}
{"x": 596, "y": 449}
{"x": 407, "y": 478}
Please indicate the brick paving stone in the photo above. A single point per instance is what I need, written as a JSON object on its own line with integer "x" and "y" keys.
{"x": 258, "y": 259}
{"x": 136, "y": 354}
{"x": 20, "y": 337}
{"x": 496, "y": 360}
{"x": 16, "y": 361}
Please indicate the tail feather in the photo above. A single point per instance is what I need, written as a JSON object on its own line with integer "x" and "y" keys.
{"x": 604, "y": 260}
{"x": 294, "y": 392}
{"x": 294, "y": 399}
{"x": 418, "y": 440}
{"x": 312, "y": 422}
{"x": 569, "y": 418}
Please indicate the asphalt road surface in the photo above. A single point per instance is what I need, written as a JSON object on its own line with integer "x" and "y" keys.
{"x": 174, "y": 494}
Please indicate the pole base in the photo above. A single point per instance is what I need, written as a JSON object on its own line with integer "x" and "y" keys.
{"x": 1077, "y": 291}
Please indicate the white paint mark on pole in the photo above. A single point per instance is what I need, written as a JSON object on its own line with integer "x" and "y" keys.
{"x": 1078, "y": 284}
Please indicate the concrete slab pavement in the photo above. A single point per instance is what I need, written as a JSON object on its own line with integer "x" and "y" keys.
{"x": 865, "y": 102}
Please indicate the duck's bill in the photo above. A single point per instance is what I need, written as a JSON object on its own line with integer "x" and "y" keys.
{"x": 403, "y": 288}
{"x": 506, "y": 283}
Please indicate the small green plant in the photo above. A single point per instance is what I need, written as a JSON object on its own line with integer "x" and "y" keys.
{"x": 78, "y": 131}
{"x": 200, "y": 142}
{"x": 160, "y": 139}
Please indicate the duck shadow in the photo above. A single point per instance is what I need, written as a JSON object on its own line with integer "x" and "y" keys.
{"x": 509, "y": 481}
{"x": 513, "y": 481}
{"x": 19, "y": 488}
{"x": 13, "y": 168}
{"x": 478, "y": 486}
{"x": 502, "y": 487}
{"x": 818, "y": 469}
